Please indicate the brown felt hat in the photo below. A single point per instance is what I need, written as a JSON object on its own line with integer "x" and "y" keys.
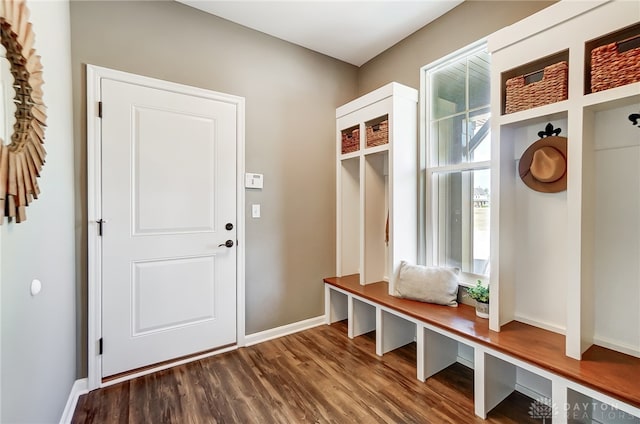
{"x": 543, "y": 166}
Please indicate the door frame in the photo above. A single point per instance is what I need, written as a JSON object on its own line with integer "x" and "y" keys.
{"x": 94, "y": 75}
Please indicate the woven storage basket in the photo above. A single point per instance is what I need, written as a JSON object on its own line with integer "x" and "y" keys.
{"x": 550, "y": 89}
{"x": 378, "y": 134}
{"x": 615, "y": 64}
{"x": 350, "y": 140}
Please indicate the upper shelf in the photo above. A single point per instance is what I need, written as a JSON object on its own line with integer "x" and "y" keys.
{"x": 602, "y": 100}
{"x": 534, "y": 115}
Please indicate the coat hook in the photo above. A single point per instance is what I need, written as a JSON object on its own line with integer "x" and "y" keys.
{"x": 549, "y": 131}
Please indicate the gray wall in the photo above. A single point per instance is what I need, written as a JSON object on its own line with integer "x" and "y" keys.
{"x": 291, "y": 95}
{"x": 38, "y": 337}
{"x": 466, "y": 23}
{"x": 291, "y": 98}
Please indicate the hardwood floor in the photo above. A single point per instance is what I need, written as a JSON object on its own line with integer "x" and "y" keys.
{"x": 315, "y": 376}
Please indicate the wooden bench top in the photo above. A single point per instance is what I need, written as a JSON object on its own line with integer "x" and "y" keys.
{"x": 606, "y": 371}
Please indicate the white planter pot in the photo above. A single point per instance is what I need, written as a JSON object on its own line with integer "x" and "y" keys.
{"x": 482, "y": 309}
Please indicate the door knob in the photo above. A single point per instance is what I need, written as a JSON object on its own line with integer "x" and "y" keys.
{"x": 228, "y": 243}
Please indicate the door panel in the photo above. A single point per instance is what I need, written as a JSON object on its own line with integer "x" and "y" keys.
{"x": 160, "y": 134}
{"x": 186, "y": 284}
{"x": 168, "y": 189}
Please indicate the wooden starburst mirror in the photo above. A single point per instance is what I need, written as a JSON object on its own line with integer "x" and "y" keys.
{"x": 21, "y": 159}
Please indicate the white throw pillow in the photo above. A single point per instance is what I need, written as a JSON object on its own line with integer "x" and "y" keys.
{"x": 427, "y": 284}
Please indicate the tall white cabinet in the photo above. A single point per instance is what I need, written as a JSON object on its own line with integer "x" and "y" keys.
{"x": 376, "y": 176}
{"x": 570, "y": 261}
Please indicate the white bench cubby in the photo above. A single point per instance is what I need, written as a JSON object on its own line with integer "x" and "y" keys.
{"x": 496, "y": 374}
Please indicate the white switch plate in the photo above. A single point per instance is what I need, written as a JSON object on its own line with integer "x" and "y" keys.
{"x": 253, "y": 180}
{"x": 255, "y": 211}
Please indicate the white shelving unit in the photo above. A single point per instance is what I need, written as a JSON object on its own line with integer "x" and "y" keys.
{"x": 568, "y": 262}
{"x": 376, "y": 182}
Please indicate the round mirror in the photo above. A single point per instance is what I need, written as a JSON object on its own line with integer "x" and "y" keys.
{"x": 7, "y": 96}
{"x": 22, "y": 155}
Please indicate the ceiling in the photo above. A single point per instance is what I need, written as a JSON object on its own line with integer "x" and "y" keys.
{"x": 352, "y": 31}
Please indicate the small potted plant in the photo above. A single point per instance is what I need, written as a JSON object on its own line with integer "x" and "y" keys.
{"x": 480, "y": 294}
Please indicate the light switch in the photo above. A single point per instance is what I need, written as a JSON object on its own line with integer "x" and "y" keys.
{"x": 255, "y": 211}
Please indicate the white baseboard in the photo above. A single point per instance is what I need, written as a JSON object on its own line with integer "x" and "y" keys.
{"x": 284, "y": 330}
{"x": 531, "y": 393}
{"x": 617, "y": 346}
{"x": 466, "y": 362}
{"x": 540, "y": 324}
{"x": 79, "y": 388}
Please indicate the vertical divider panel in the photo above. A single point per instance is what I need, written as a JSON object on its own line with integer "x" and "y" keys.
{"x": 350, "y": 317}
{"x": 559, "y": 401}
{"x": 420, "y": 353}
{"x": 479, "y": 383}
{"x": 379, "y": 332}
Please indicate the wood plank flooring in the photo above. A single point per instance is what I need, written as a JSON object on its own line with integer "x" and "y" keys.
{"x": 315, "y": 376}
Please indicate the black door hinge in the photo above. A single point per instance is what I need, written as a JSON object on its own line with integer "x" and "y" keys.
{"x": 100, "y": 346}
{"x": 100, "y": 223}
{"x": 99, "y": 109}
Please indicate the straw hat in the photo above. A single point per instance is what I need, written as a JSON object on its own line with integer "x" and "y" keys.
{"x": 543, "y": 166}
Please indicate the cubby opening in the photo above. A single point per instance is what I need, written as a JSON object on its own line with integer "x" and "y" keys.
{"x": 338, "y": 309}
{"x": 534, "y": 263}
{"x": 350, "y": 140}
{"x": 616, "y": 229}
{"x": 376, "y": 214}
{"x": 626, "y": 38}
{"x": 349, "y": 222}
{"x": 395, "y": 332}
{"x": 439, "y": 352}
{"x": 532, "y": 73}
{"x": 583, "y": 409}
{"x": 363, "y": 318}
{"x": 377, "y": 131}
{"x": 503, "y": 378}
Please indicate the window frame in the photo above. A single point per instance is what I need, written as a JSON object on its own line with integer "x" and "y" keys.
{"x": 430, "y": 235}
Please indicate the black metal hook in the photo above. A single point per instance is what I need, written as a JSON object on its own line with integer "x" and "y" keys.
{"x": 549, "y": 131}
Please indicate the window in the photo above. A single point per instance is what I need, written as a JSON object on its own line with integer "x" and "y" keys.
{"x": 457, "y": 149}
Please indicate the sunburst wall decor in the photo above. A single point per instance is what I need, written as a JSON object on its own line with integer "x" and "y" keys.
{"x": 22, "y": 159}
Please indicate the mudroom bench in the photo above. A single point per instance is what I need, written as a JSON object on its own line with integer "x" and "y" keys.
{"x": 519, "y": 357}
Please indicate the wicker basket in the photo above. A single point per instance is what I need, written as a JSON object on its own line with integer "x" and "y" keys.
{"x": 550, "y": 89}
{"x": 615, "y": 64}
{"x": 350, "y": 140}
{"x": 377, "y": 134}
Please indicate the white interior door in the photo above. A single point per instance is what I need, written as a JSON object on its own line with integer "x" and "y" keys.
{"x": 169, "y": 202}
